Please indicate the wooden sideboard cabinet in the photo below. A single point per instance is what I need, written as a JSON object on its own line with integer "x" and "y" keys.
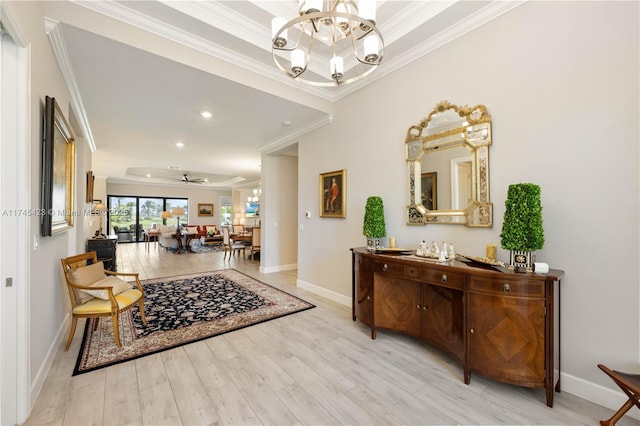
{"x": 105, "y": 249}
{"x": 500, "y": 324}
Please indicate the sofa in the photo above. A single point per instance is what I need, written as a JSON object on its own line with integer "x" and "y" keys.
{"x": 209, "y": 234}
{"x": 167, "y": 232}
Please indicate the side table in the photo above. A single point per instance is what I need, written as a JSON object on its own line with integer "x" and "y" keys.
{"x": 151, "y": 235}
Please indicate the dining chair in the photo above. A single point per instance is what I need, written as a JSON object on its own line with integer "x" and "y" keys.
{"x": 255, "y": 241}
{"x": 98, "y": 292}
{"x": 231, "y": 246}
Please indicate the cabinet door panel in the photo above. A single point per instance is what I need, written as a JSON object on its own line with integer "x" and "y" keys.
{"x": 364, "y": 290}
{"x": 397, "y": 304}
{"x": 506, "y": 339}
{"x": 442, "y": 320}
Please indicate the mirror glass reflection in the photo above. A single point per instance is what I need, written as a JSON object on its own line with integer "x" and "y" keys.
{"x": 448, "y": 165}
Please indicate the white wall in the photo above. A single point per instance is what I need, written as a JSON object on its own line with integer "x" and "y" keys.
{"x": 195, "y": 195}
{"x": 48, "y": 303}
{"x": 560, "y": 80}
{"x": 279, "y": 218}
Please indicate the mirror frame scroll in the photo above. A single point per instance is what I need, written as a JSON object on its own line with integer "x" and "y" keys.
{"x": 476, "y": 136}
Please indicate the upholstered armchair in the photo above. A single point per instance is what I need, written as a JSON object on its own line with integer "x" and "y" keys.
{"x": 167, "y": 236}
{"x": 97, "y": 292}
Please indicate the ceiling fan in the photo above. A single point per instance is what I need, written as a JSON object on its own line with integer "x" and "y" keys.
{"x": 187, "y": 179}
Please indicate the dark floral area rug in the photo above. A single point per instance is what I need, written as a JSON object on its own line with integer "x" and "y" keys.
{"x": 181, "y": 310}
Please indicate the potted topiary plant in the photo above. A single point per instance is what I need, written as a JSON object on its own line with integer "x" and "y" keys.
{"x": 373, "y": 226}
{"x": 522, "y": 230}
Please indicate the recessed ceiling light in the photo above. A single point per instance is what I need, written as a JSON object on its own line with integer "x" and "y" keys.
{"x": 148, "y": 175}
{"x": 174, "y": 167}
{"x": 179, "y": 144}
{"x": 286, "y": 123}
{"x": 206, "y": 114}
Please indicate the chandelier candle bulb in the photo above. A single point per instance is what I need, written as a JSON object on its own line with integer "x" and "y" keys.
{"x": 367, "y": 10}
{"x": 277, "y": 23}
{"x": 371, "y": 48}
{"x": 310, "y": 6}
{"x": 337, "y": 67}
{"x": 297, "y": 61}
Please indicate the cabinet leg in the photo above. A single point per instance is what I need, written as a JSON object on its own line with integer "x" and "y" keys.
{"x": 373, "y": 333}
{"x": 550, "y": 396}
{"x": 467, "y": 376}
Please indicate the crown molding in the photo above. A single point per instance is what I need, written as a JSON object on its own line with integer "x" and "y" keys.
{"x": 52, "y": 29}
{"x": 291, "y": 138}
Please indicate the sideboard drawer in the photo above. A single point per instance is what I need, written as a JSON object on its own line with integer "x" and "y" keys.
{"x": 440, "y": 277}
{"x": 389, "y": 268}
{"x": 507, "y": 286}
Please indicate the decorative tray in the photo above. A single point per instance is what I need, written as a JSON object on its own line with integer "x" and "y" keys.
{"x": 481, "y": 260}
{"x": 395, "y": 250}
{"x": 432, "y": 257}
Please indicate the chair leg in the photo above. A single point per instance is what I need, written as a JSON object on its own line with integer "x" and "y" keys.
{"x": 141, "y": 306}
{"x": 116, "y": 330}
{"x": 74, "y": 323}
{"x": 618, "y": 414}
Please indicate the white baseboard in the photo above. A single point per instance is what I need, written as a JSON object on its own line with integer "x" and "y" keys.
{"x": 41, "y": 375}
{"x": 321, "y": 291}
{"x": 598, "y": 394}
{"x": 278, "y": 268}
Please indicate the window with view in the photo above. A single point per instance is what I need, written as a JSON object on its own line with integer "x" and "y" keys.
{"x": 226, "y": 211}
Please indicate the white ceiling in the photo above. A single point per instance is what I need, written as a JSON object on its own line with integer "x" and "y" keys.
{"x": 140, "y": 73}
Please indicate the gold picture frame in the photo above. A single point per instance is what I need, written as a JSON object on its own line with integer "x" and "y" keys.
{"x": 58, "y": 153}
{"x": 333, "y": 194}
{"x": 205, "y": 209}
{"x": 90, "y": 181}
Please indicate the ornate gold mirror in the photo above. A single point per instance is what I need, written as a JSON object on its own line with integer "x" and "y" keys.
{"x": 448, "y": 164}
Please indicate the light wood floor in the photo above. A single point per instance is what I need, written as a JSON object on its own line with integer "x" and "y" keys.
{"x": 316, "y": 367}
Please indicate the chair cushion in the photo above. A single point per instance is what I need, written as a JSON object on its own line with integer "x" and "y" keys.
{"x": 99, "y": 306}
{"x": 115, "y": 283}
{"x": 86, "y": 275}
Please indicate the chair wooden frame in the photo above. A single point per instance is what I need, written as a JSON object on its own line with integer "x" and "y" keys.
{"x": 84, "y": 259}
{"x": 630, "y": 385}
{"x": 255, "y": 241}
{"x": 229, "y": 245}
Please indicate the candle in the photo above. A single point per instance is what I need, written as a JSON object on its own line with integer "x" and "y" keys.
{"x": 491, "y": 252}
{"x": 392, "y": 242}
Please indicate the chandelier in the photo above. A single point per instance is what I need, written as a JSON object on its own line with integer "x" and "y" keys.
{"x": 256, "y": 196}
{"x": 344, "y": 31}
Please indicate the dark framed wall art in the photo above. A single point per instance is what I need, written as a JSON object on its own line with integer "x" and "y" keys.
{"x": 429, "y": 190}
{"x": 57, "y": 171}
{"x": 333, "y": 194}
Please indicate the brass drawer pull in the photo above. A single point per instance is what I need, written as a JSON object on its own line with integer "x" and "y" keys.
{"x": 444, "y": 278}
{"x": 506, "y": 288}
{"x": 385, "y": 267}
